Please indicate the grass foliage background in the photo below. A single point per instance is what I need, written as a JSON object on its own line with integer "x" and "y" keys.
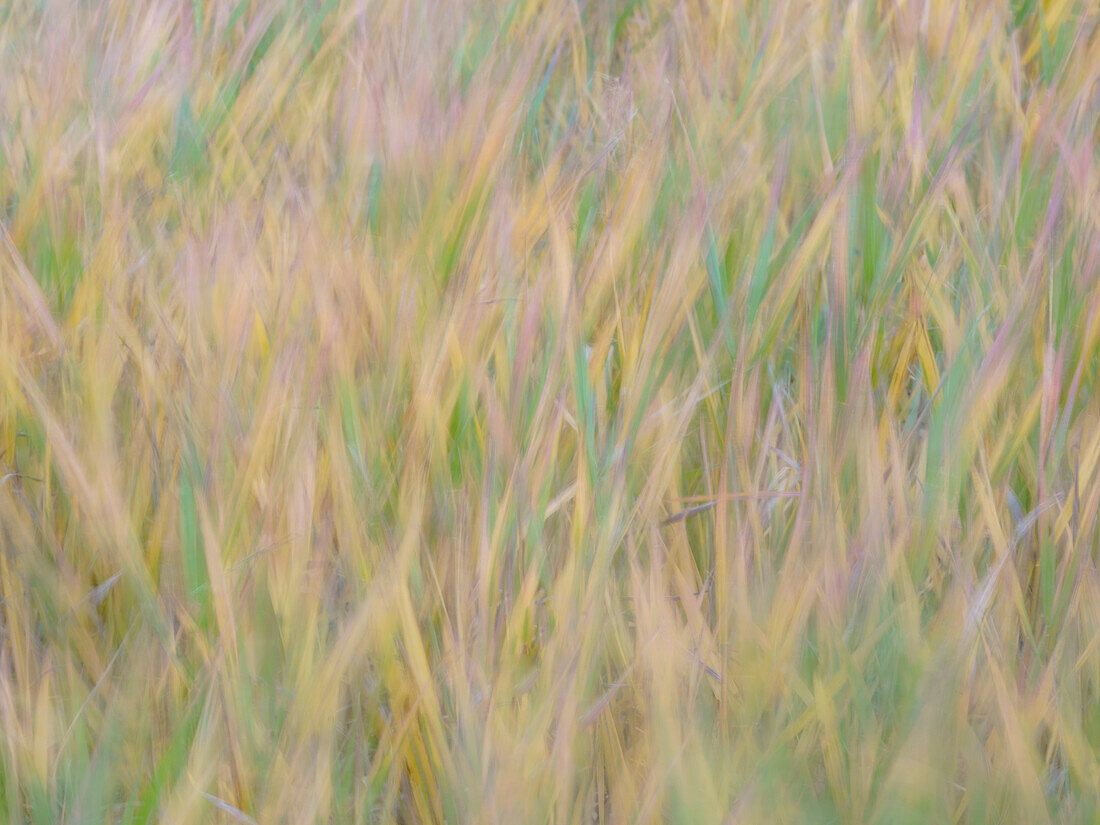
{"x": 549, "y": 411}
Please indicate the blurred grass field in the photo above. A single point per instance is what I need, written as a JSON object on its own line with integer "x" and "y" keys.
{"x": 549, "y": 411}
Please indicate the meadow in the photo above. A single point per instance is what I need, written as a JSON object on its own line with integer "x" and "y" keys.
{"x": 549, "y": 411}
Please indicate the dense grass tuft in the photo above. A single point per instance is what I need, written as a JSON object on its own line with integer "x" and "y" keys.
{"x": 621, "y": 411}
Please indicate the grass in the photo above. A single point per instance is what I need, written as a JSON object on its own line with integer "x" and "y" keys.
{"x": 549, "y": 412}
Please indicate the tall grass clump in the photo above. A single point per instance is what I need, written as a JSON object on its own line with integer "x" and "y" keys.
{"x": 549, "y": 411}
